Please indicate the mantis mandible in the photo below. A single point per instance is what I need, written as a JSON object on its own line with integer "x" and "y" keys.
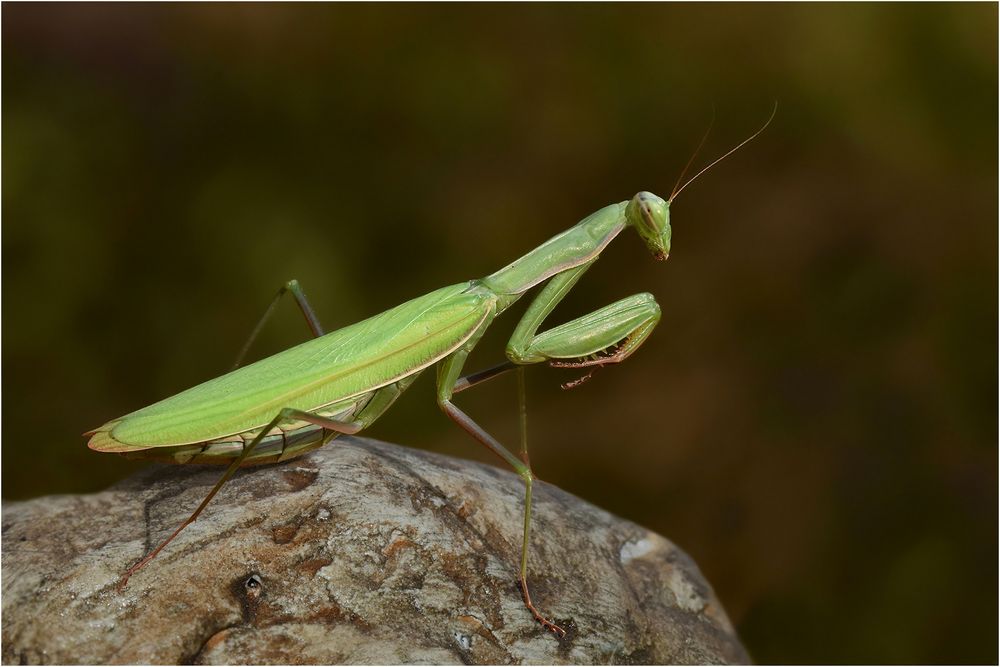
{"x": 340, "y": 382}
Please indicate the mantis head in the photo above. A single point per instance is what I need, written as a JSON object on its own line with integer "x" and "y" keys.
{"x": 650, "y": 215}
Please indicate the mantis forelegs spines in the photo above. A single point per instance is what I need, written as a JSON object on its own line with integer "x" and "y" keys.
{"x": 624, "y": 324}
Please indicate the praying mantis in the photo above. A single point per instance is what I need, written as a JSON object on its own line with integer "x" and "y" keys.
{"x": 341, "y": 382}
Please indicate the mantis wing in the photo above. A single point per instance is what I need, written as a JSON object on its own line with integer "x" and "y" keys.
{"x": 343, "y": 363}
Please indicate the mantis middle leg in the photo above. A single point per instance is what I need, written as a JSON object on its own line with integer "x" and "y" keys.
{"x": 448, "y": 377}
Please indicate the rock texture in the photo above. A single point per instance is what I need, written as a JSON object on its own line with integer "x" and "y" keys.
{"x": 361, "y": 552}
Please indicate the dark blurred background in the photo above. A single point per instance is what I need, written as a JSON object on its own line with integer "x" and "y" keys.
{"x": 815, "y": 419}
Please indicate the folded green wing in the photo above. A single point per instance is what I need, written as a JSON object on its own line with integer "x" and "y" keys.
{"x": 343, "y": 363}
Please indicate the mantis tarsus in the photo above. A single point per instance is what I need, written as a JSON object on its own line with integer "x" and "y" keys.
{"x": 341, "y": 382}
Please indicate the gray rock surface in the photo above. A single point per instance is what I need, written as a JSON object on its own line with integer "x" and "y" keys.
{"x": 361, "y": 552}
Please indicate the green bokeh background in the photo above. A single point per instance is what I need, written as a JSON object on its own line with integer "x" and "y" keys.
{"x": 815, "y": 419}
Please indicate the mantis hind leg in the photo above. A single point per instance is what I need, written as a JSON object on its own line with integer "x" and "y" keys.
{"x": 303, "y": 303}
{"x": 380, "y": 401}
{"x": 285, "y": 415}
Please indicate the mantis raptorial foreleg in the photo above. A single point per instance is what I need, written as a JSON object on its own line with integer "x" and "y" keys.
{"x": 584, "y": 341}
{"x": 540, "y": 308}
{"x": 307, "y": 312}
{"x": 624, "y": 324}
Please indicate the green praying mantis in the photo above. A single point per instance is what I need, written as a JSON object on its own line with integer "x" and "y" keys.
{"x": 340, "y": 382}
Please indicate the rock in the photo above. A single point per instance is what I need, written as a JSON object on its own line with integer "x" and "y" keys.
{"x": 361, "y": 552}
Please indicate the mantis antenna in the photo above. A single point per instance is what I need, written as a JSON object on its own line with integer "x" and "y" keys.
{"x": 693, "y": 155}
{"x": 727, "y": 154}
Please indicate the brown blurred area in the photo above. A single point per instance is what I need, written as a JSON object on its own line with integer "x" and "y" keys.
{"x": 814, "y": 420}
